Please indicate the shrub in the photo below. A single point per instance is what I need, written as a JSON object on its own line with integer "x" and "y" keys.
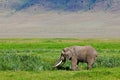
{"x": 107, "y": 61}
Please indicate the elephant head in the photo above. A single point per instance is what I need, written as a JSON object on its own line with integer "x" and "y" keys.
{"x": 65, "y": 54}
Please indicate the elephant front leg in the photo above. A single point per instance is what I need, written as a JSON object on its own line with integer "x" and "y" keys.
{"x": 74, "y": 64}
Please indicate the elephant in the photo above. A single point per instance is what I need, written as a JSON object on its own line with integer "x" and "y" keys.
{"x": 76, "y": 54}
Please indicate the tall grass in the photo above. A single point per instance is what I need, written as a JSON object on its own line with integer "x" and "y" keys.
{"x": 20, "y": 62}
{"x": 109, "y": 62}
{"x": 41, "y": 54}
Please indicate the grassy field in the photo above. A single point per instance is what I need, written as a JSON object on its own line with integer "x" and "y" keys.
{"x": 32, "y": 59}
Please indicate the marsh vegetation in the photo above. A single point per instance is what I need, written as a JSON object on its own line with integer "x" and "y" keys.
{"x": 36, "y": 57}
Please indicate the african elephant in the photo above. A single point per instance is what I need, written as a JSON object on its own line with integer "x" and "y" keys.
{"x": 78, "y": 54}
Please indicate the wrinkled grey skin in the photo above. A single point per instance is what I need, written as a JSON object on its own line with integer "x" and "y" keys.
{"x": 78, "y": 54}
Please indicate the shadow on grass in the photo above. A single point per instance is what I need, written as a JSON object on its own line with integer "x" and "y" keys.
{"x": 63, "y": 68}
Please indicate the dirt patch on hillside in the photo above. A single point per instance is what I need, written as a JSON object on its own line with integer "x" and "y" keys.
{"x": 62, "y": 25}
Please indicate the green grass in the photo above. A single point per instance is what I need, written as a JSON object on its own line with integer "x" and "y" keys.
{"x": 94, "y": 74}
{"x": 32, "y": 59}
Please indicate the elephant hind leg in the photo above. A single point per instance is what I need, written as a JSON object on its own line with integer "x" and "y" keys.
{"x": 89, "y": 64}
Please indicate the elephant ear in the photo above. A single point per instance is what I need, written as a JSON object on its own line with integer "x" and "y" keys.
{"x": 73, "y": 50}
{"x": 68, "y": 52}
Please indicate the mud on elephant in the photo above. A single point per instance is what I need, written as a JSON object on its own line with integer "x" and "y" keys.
{"x": 78, "y": 54}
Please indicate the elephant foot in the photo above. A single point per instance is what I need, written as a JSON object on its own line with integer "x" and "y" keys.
{"x": 75, "y": 68}
{"x": 89, "y": 68}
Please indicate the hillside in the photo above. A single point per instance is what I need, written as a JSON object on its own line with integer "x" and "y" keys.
{"x": 64, "y": 5}
{"x": 58, "y": 18}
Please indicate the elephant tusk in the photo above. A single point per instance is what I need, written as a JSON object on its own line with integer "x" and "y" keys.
{"x": 58, "y": 63}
